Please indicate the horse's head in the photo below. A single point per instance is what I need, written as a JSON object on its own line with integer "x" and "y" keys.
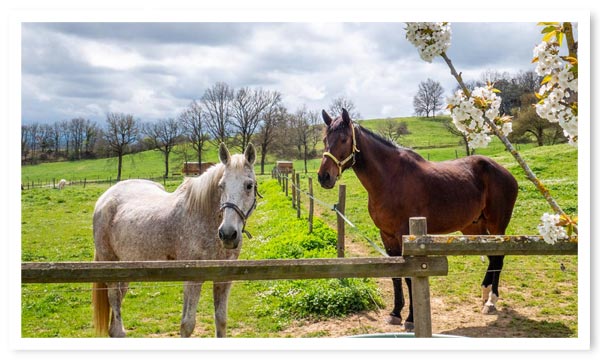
{"x": 238, "y": 194}
{"x": 340, "y": 148}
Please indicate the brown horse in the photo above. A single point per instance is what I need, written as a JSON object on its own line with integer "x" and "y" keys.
{"x": 473, "y": 195}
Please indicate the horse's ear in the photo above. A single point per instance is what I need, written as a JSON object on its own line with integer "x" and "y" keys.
{"x": 346, "y": 116}
{"x": 326, "y": 118}
{"x": 224, "y": 155}
{"x": 250, "y": 153}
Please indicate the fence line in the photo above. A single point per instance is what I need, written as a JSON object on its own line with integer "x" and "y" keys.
{"x": 283, "y": 179}
{"x": 51, "y": 183}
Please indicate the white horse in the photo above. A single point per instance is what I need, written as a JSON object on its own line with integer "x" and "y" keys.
{"x": 203, "y": 219}
{"x": 61, "y": 184}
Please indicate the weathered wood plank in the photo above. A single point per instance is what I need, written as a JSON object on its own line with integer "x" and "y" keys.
{"x": 222, "y": 270}
{"x": 420, "y": 287}
{"x": 485, "y": 245}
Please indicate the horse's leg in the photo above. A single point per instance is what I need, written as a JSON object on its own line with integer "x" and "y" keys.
{"x": 409, "y": 324}
{"x": 220, "y": 298}
{"x": 393, "y": 249}
{"x": 191, "y": 295}
{"x": 395, "y": 318}
{"x": 116, "y": 293}
{"x": 490, "y": 283}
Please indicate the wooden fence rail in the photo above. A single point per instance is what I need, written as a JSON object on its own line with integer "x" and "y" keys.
{"x": 225, "y": 270}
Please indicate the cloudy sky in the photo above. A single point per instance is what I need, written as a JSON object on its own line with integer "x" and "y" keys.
{"x": 154, "y": 70}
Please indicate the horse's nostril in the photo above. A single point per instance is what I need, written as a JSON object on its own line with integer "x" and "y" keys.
{"x": 233, "y": 235}
{"x": 221, "y": 234}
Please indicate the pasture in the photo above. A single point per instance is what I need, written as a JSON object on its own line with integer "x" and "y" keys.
{"x": 538, "y": 299}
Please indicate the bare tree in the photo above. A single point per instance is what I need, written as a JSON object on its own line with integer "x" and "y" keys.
{"x": 77, "y": 131}
{"x": 66, "y": 135}
{"x": 428, "y": 99}
{"x": 91, "y": 133}
{"x": 194, "y": 125}
{"x": 452, "y": 129}
{"x": 163, "y": 135}
{"x": 392, "y": 130}
{"x": 57, "y": 135}
{"x": 247, "y": 108}
{"x": 33, "y": 140}
{"x": 341, "y": 102}
{"x": 273, "y": 119}
{"x": 45, "y": 139}
{"x": 217, "y": 103}
{"x": 122, "y": 132}
{"x": 25, "y": 135}
{"x": 302, "y": 129}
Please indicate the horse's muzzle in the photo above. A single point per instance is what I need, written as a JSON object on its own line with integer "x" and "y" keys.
{"x": 230, "y": 237}
{"x": 326, "y": 180}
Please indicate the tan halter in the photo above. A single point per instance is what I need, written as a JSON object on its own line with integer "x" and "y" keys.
{"x": 340, "y": 164}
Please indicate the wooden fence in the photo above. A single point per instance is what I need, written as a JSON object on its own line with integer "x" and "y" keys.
{"x": 423, "y": 256}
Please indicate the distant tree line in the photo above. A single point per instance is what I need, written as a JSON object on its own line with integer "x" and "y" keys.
{"x": 222, "y": 114}
{"x": 518, "y": 99}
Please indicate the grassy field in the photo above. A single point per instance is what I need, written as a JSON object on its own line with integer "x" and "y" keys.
{"x": 64, "y": 234}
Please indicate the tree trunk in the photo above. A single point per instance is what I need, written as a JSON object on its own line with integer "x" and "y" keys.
{"x": 120, "y": 156}
{"x": 166, "y": 164}
{"x": 263, "y": 156}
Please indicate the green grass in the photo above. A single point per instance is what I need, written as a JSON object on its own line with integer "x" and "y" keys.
{"x": 257, "y": 308}
{"x": 56, "y": 226}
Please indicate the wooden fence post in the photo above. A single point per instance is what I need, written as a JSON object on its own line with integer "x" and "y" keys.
{"x": 294, "y": 189}
{"x": 341, "y": 225}
{"x": 53, "y": 183}
{"x": 84, "y": 182}
{"x": 311, "y": 205}
{"x": 286, "y": 185}
{"x": 298, "y": 195}
{"x": 420, "y": 286}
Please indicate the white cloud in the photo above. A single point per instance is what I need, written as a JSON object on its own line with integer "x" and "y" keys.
{"x": 153, "y": 70}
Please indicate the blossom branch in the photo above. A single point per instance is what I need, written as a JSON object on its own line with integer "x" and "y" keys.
{"x": 528, "y": 172}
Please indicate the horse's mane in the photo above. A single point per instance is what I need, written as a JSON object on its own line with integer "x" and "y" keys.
{"x": 202, "y": 192}
{"x": 386, "y": 142}
{"x": 380, "y": 138}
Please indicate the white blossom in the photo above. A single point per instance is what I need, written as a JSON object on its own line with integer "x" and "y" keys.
{"x": 467, "y": 115}
{"x": 430, "y": 38}
{"x": 549, "y": 228}
{"x": 560, "y": 84}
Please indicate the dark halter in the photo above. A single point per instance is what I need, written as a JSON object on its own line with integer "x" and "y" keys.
{"x": 243, "y": 216}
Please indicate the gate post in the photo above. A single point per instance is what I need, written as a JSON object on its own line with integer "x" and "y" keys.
{"x": 420, "y": 286}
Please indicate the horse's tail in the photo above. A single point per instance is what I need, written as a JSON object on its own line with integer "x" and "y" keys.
{"x": 101, "y": 307}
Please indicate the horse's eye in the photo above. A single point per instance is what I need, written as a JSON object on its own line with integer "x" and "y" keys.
{"x": 249, "y": 186}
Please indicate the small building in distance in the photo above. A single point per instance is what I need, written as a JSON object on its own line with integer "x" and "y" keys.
{"x": 193, "y": 168}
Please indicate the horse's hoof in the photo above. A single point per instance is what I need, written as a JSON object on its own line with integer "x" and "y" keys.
{"x": 489, "y": 310}
{"x": 117, "y": 334}
{"x": 394, "y": 320}
{"x": 409, "y": 326}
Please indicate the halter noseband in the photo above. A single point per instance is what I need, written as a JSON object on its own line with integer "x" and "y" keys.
{"x": 239, "y": 211}
{"x": 340, "y": 164}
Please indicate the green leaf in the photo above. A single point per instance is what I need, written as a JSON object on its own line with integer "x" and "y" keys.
{"x": 548, "y": 29}
{"x": 559, "y": 38}
{"x": 546, "y": 79}
{"x": 548, "y": 23}
{"x": 548, "y": 36}
{"x": 570, "y": 59}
